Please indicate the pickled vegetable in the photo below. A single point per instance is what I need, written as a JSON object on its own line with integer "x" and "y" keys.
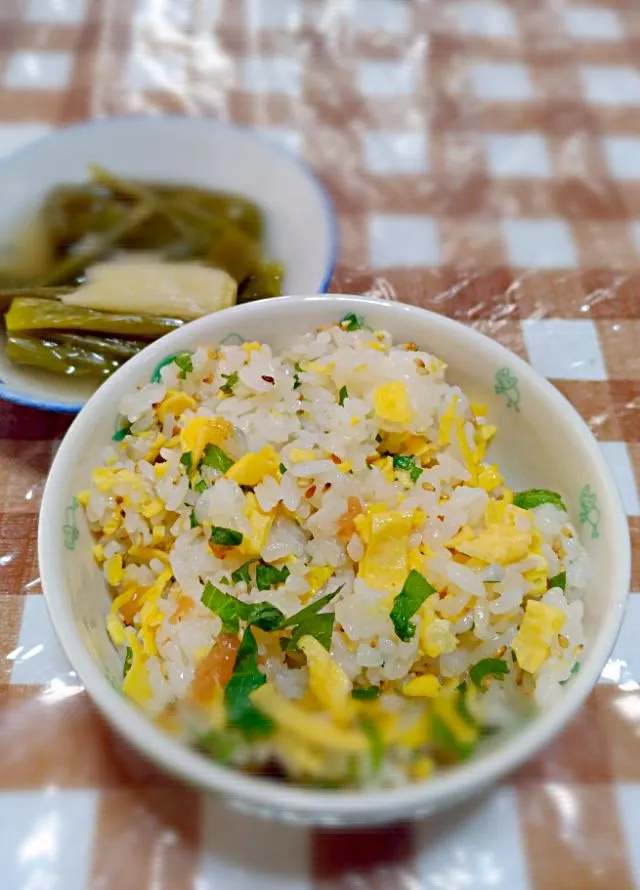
{"x": 59, "y": 357}
{"x": 28, "y": 314}
{"x": 265, "y": 282}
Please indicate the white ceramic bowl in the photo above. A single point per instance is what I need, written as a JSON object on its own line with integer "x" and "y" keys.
{"x": 300, "y": 225}
{"x": 542, "y": 442}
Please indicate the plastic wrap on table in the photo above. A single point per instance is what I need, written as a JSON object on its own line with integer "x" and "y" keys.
{"x": 482, "y": 159}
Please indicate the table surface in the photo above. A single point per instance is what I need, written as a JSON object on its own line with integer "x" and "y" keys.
{"x": 484, "y": 161}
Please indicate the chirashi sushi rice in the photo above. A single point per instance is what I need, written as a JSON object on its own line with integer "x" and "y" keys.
{"x": 317, "y": 573}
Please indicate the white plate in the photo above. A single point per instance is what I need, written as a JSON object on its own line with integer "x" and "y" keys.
{"x": 300, "y": 225}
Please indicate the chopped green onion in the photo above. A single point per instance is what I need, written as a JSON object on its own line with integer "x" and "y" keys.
{"x": 184, "y": 362}
{"x": 342, "y": 395}
{"x": 352, "y": 322}
{"x": 217, "y": 745}
{"x": 263, "y": 615}
{"x": 186, "y": 461}
{"x": 268, "y": 576}
{"x": 246, "y": 678}
{"x": 231, "y": 380}
{"x": 225, "y": 537}
{"x": 408, "y": 464}
{"x": 192, "y": 519}
{"x": 414, "y": 592}
{"x": 309, "y": 621}
{"x": 365, "y": 693}
{"x": 225, "y": 606}
{"x": 534, "y": 497}
{"x": 312, "y": 609}
{"x": 120, "y": 434}
{"x": 282, "y": 469}
{"x": 559, "y": 580}
{"x": 376, "y": 744}
{"x": 242, "y": 574}
{"x": 128, "y": 658}
{"x": 488, "y": 667}
{"x": 200, "y": 486}
{"x": 217, "y": 459}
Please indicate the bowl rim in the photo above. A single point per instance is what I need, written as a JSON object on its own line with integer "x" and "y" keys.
{"x": 270, "y": 144}
{"x": 319, "y": 806}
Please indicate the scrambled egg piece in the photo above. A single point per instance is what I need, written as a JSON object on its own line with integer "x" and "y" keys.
{"x": 386, "y": 536}
{"x": 427, "y": 686}
{"x": 436, "y": 636}
{"x": 317, "y": 577}
{"x": 150, "y": 620}
{"x": 447, "y": 421}
{"x": 115, "y": 629}
{"x": 444, "y": 707}
{"x": 175, "y": 403}
{"x": 260, "y": 524}
{"x": 489, "y": 477}
{"x": 385, "y": 465}
{"x": 540, "y": 626}
{"x": 203, "y": 431}
{"x": 391, "y": 402}
{"x": 301, "y": 455}
{"x": 501, "y": 542}
{"x": 253, "y": 467}
{"x": 136, "y": 683}
{"x": 311, "y": 728}
{"x": 105, "y": 478}
{"x": 327, "y": 680}
{"x": 113, "y": 570}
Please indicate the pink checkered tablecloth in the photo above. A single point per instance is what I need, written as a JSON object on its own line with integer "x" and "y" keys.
{"x": 484, "y": 161}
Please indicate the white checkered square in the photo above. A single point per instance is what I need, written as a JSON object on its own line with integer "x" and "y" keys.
{"x": 273, "y": 74}
{"x": 46, "y": 840}
{"x": 539, "y": 243}
{"x": 484, "y": 19}
{"x": 38, "y": 657}
{"x": 387, "y": 16}
{"x": 501, "y": 81}
{"x": 384, "y": 77}
{"x": 609, "y": 85}
{"x": 623, "y": 666}
{"x": 478, "y": 846}
{"x": 564, "y": 349}
{"x": 37, "y": 71}
{"x": 403, "y": 240}
{"x": 388, "y": 153}
{"x": 518, "y": 155}
{"x": 55, "y": 12}
{"x": 285, "y": 15}
{"x": 629, "y": 805}
{"x": 585, "y": 22}
{"x": 623, "y": 156}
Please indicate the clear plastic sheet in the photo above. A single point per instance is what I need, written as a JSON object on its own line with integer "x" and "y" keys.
{"x": 482, "y": 158}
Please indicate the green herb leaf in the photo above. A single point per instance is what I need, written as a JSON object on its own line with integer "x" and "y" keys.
{"x": 242, "y": 574}
{"x": 310, "y": 610}
{"x": 128, "y": 658}
{"x": 408, "y": 464}
{"x": 352, "y": 322}
{"x": 414, "y": 592}
{"x": 342, "y": 395}
{"x": 184, "y": 362}
{"x": 282, "y": 469}
{"x": 365, "y": 693}
{"x": 447, "y": 742}
{"x": 225, "y": 606}
{"x": 318, "y": 626}
{"x": 376, "y": 744}
{"x": 263, "y": 615}
{"x": 559, "y": 580}
{"x": 268, "y": 576}
{"x": 192, "y": 520}
{"x": 218, "y": 745}
{"x": 225, "y": 537}
{"x": 534, "y": 497}
{"x": 200, "y": 486}
{"x": 186, "y": 461}
{"x": 245, "y": 679}
{"x": 120, "y": 434}
{"x": 231, "y": 380}
{"x": 488, "y": 667}
{"x": 217, "y": 459}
